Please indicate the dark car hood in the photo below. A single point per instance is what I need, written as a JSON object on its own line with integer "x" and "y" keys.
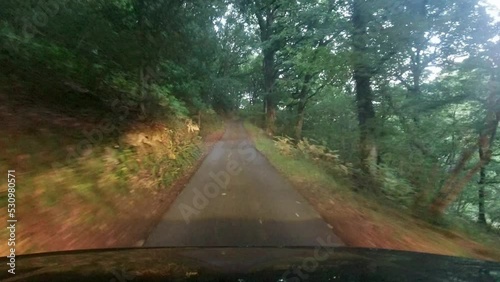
{"x": 248, "y": 264}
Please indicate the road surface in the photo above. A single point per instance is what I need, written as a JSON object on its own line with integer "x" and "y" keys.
{"x": 237, "y": 198}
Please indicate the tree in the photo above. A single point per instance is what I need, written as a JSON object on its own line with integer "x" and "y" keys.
{"x": 487, "y": 134}
{"x": 364, "y": 94}
{"x": 312, "y": 58}
{"x": 266, "y": 14}
{"x": 144, "y": 53}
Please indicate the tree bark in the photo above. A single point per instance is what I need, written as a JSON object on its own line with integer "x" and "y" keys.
{"x": 266, "y": 20}
{"x": 364, "y": 93}
{"x": 485, "y": 157}
{"x": 481, "y": 216}
{"x": 300, "y": 121}
{"x": 140, "y": 10}
{"x": 302, "y": 96}
{"x": 199, "y": 118}
{"x": 366, "y": 119}
{"x": 269, "y": 80}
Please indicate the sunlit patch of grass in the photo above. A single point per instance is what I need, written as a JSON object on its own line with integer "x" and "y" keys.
{"x": 296, "y": 168}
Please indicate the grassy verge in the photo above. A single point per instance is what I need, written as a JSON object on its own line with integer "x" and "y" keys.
{"x": 81, "y": 185}
{"x": 362, "y": 221}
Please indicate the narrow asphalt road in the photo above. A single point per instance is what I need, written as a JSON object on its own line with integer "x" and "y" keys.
{"x": 237, "y": 198}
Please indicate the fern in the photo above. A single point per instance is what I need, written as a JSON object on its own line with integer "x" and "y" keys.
{"x": 285, "y": 145}
{"x": 311, "y": 150}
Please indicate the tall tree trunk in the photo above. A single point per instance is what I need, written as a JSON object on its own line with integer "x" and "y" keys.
{"x": 269, "y": 80}
{"x": 140, "y": 10}
{"x": 266, "y": 19}
{"x": 366, "y": 118}
{"x": 301, "y": 107}
{"x": 199, "y": 118}
{"x": 300, "y": 121}
{"x": 419, "y": 8}
{"x": 364, "y": 93}
{"x": 454, "y": 184}
{"x": 481, "y": 216}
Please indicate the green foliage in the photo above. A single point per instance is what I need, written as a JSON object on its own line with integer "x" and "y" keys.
{"x": 432, "y": 69}
{"x": 174, "y": 107}
{"x": 395, "y": 187}
{"x": 139, "y": 52}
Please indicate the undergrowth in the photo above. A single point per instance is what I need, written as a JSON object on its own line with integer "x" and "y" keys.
{"x": 304, "y": 165}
